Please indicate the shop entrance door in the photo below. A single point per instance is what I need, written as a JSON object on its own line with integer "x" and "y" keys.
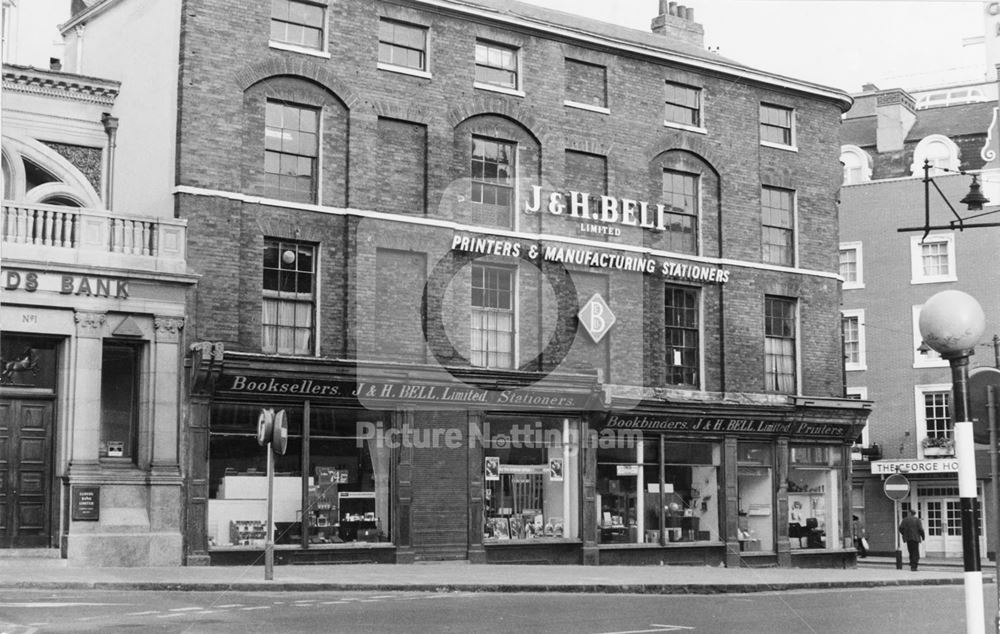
{"x": 25, "y": 472}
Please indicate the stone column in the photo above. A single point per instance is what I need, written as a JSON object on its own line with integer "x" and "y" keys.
{"x": 85, "y": 424}
{"x": 165, "y": 387}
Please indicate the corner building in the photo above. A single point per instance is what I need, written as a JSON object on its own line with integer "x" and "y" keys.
{"x": 527, "y": 287}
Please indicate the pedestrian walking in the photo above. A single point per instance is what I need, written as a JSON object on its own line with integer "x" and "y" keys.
{"x": 912, "y": 531}
{"x": 860, "y": 541}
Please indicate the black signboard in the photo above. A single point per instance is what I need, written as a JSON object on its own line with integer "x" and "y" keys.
{"x": 86, "y": 503}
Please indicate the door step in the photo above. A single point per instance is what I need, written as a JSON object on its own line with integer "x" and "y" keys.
{"x": 46, "y": 557}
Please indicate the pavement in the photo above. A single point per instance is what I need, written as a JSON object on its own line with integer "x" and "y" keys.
{"x": 460, "y": 576}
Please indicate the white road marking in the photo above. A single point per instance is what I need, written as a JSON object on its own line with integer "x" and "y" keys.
{"x": 658, "y": 626}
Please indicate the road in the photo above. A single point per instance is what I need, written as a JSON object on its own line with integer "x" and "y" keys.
{"x": 884, "y": 610}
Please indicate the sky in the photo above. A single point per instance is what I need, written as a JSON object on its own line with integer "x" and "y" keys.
{"x": 843, "y": 44}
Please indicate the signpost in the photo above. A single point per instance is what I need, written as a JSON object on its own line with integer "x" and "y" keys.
{"x": 896, "y": 487}
{"x": 984, "y": 386}
{"x": 272, "y": 433}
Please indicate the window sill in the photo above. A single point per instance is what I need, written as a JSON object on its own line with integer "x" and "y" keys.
{"x": 856, "y": 367}
{"x": 779, "y": 146}
{"x": 403, "y": 70}
{"x": 692, "y": 544}
{"x": 535, "y": 541}
{"x": 933, "y": 280}
{"x": 586, "y": 106}
{"x": 281, "y": 46}
{"x": 500, "y": 89}
{"x": 852, "y": 287}
{"x": 683, "y": 126}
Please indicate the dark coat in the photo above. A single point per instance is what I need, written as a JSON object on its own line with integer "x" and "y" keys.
{"x": 912, "y": 529}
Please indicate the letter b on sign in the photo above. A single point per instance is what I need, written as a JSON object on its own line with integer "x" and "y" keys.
{"x": 596, "y": 317}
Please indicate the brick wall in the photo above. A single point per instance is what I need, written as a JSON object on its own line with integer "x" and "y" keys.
{"x": 398, "y": 143}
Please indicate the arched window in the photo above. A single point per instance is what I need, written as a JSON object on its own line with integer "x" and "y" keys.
{"x": 857, "y": 165}
{"x": 939, "y": 150}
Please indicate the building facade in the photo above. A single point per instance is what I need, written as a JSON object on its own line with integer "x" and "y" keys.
{"x": 899, "y": 246}
{"x": 523, "y": 287}
{"x": 93, "y": 304}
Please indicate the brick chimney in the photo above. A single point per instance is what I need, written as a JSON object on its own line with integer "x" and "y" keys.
{"x": 676, "y": 21}
{"x": 895, "y": 113}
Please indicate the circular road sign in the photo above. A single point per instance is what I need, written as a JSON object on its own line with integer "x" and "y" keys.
{"x": 896, "y": 487}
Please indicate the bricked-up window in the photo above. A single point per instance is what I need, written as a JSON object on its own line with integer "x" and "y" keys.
{"x": 777, "y": 125}
{"x": 778, "y": 226}
{"x": 779, "y": 344}
{"x": 298, "y": 23}
{"x": 680, "y": 197}
{"x": 682, "y": 347}
{"x": 492, "y": 343}
{"x": 682, "y": 104}
{"x": 586, "y": 83}
{"x": 291, "y": 151}
{"x": 496, "y": 65}
{"x": 120, "y": 374}
{"x": 492, "y": 172}
{"x": 402, "y": 45}
{"x": 289, "y": 298}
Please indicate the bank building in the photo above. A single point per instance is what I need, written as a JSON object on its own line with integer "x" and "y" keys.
{"x": 523, "y": 287}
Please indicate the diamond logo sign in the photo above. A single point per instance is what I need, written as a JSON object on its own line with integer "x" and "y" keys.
{"x": 596, "y": 318}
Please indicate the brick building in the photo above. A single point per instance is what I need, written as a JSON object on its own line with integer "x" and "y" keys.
{"x": 888, "y": 274}
{"x": 525, "y": 287}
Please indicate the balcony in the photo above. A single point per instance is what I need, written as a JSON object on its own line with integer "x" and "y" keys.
{"x": 55, "y": 234}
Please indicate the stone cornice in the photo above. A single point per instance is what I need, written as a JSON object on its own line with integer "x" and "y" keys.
{"x": 59, "y": 85}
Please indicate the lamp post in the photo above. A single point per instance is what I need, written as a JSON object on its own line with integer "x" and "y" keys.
{"x": 952, "y": 323}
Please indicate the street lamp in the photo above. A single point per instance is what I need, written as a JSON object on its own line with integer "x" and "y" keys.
{"x": 952, "y": 323}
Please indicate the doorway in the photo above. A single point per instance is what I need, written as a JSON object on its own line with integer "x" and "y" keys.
{"x": 25, "y": 472}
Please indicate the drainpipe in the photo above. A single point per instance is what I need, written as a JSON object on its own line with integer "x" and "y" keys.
{"x": 111, "y": 129}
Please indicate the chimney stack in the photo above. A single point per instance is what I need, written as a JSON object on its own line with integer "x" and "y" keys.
{"x": 676, "y": 22}
{"x": 895, "y": 113}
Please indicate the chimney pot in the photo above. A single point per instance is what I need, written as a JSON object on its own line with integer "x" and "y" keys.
{"x": 672, "y": 8}
{"x": 55, "y": 64}
{"x": 681, "y": 11}
{"x": 663, "y": 6}
{"x": 690, "y": 14}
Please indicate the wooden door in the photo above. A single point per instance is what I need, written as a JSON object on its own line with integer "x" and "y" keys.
{"x": 25, "y": 472}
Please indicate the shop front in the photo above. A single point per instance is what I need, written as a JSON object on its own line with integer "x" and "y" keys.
{"x": 384, "y": 463}
{"x": 712, "y": 484}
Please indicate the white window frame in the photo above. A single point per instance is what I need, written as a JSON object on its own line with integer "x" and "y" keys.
{"x": 793, "y": 147}
{"x": 858, "y": 249}
{"x": 514, "y": 305}
{"x": 863, "y": 158}
{"x": 794, "y": 228}
{"x": 861, "y": 363}
{"x": 917, "y": 275}
{"x": 425, "y": 72}
{"x": 517, "y": 90}
{"x": 919, "y": 420}
{"x": 700, "y": 128}
{"x": 324, "y": 50}
{"x": 797, "y": 347}
{"x": 930, "y": 358}
{"x": 920, "y": 154}
{"x": 315, "y": 299}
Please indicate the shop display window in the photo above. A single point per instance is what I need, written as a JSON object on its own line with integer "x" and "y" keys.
{"x": 815, "y": 476}
{"x": 340, "y": 497}
{"x": 531, "y": 480}
{"x": 629, "y": 499}
{"x": 755, "y": 490}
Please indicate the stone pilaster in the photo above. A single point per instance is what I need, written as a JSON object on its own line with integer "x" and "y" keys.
{"x": 85, "y": 410}
{"x": 166, "y": 393}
